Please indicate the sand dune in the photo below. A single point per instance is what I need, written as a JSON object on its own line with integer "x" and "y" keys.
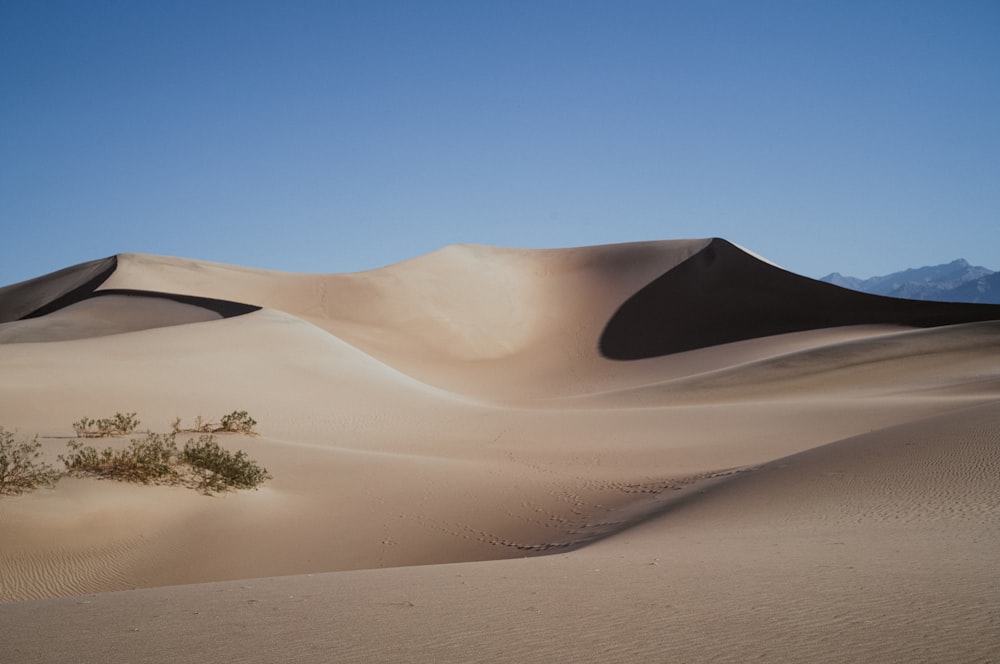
{"x": 102, "y": 316}
{"x": 49, "y": 293}
{"x": 879, "y": 547}
{"x": 664, "y": 451}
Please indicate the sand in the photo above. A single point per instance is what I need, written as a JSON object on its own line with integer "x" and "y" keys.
{"x": 664, "y": 451}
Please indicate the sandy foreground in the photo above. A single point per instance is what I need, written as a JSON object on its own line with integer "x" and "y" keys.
{"x": 667, "y": 451}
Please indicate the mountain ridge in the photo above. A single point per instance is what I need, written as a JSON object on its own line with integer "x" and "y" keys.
{"x": 957, "y": 281}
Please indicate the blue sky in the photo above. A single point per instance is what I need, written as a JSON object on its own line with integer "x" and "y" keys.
{"x": 861, "y": 137}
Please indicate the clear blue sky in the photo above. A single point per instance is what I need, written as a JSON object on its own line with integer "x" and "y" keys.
{"x": 336, "y": 136}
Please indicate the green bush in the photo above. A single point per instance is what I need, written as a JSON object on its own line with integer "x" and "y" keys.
{"x": 155, "y": 459}
{"x": 21, "y": 467}
{"x": 120, "y": 425}
{"x": 218, "y": 469}
{"x": 238, "y": 422}
{"x": 149, "y": 460}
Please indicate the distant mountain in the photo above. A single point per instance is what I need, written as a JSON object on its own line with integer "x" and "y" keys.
{"x": 985, "y": 289}
{"x": 957, "y": 281}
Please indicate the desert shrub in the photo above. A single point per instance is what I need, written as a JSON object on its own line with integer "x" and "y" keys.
{"x": 238, "y": 421}
{"x": 21, "y": 466}
{"x": 155, "y": 459}
{"x": 218, "y": 469}
{"x": 149, "y": 460}
{"x": 201, "y": 425}
{"x": 120, "y": 425}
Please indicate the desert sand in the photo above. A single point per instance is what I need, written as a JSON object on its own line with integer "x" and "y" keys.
{"x": 667, "y": 451}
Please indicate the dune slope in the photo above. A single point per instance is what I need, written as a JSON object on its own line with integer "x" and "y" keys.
{"x": 723, "y": 294}
{"x": 37, "y": 297}
{"x": 879, "y": 547}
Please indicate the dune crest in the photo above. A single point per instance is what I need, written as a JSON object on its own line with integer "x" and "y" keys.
{"x": 48, "y": 293}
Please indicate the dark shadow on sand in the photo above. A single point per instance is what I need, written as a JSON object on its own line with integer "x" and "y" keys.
{"x": 225, "y": 308}
{"x": 77, "y": 293}
{"x": 723, "y": 294}
{"x": 88, "y": 289}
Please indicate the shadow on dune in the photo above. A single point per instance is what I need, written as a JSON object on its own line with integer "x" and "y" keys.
{"x": 37, "y": 297}
{"x": 225, "y": 308}
{"x": 118, "y": 311}
{"x": 723, "y": 294}
{"x": 80, "y": 282}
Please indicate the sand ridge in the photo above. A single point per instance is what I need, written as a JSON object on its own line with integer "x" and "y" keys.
{"x": 48, "y": 293}
{"x": 431, "y": 423}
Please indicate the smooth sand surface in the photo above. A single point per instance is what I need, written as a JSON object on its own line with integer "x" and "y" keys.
{"x": 464, "y": 471}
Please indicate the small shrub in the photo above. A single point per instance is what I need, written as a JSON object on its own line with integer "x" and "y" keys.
{"x": 218, "y": 469}
{"x": 120, "y": 425}
{"x": 201, "y": 425}
{"x": 154, "y": 459}
{"x": 238, "y": 422}
{"x": 86, "y": 427}
{"x": 20, "y": 466}
{"x": 148, "y": 460}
